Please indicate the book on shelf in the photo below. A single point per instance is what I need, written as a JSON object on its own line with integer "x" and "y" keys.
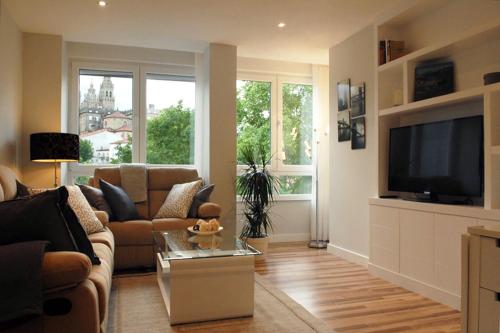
{"x": 390, "y": 50}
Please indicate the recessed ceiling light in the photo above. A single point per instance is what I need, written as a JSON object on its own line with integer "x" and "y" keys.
{"x": 281, "y": 25}
{"x": 102, "y": 3}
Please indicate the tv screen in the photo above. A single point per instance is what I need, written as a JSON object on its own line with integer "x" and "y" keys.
{"x": 443, "y": 157}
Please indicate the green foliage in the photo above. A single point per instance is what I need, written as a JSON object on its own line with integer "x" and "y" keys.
{"x": 295, "y": 184}
{"x": 257, "y": 187}
{"x": 123, "y": 153}
{"x": 170, "y": 136}
{"x": 253, "y": 117}
{"x": 297, "y": 123}
{"x": 86, "y": 151}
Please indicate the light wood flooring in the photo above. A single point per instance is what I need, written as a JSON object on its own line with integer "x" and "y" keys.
{"x": 348, "y": 298}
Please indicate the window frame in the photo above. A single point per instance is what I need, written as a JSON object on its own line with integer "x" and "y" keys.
{"x": 139, "y": 104}
{"x": 277, "y": 167}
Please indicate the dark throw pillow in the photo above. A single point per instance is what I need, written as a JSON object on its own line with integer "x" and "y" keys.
{"x": 122, "y": 206}
{"x": 96, "y": 199}
{"x": 46, "y": 216}
{"x": 202, "y": 196}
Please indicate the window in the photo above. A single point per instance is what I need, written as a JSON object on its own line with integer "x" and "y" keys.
{"x": 170, "y": 119}
{"x": 297, "y": 124}
{"x": 132, "y": 113}
{"x": 253, "y": 115}
{"x": 105, "y": 121}
{"x": 277, "y": 112}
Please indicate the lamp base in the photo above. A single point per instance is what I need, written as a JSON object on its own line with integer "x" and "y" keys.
{"x": 315, "y": 244}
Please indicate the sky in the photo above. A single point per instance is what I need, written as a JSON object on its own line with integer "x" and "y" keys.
{"x": 161, "y": 93}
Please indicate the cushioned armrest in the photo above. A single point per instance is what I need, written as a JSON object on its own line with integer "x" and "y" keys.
{"x": 64, "y": 269}
{"x": 209, "y": 209}
{"x": 102, "y": 216}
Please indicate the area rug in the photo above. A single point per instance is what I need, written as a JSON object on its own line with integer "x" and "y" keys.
{"x": 136, "y": 305}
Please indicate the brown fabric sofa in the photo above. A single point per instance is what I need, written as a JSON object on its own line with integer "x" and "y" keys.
{"x": 70, "y": 276}
{"x": 134, "y": 239}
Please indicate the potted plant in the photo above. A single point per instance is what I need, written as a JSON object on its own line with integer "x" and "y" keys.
{"x": 257, "y": 188}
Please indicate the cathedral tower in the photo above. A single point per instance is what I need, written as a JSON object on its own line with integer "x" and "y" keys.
{"x": 106, "y": 94}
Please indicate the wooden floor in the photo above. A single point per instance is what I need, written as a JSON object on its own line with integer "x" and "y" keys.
{"x": 348, "y": 298}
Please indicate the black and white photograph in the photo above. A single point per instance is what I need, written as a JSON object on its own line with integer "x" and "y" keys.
{"x": 358, "y": 138}
{"x": 343, "y": 93}
{"x": 357, "y": 99}
{"x": 344, "y": 127}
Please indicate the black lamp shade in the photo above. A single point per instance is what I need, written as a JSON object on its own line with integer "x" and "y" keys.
{"x": 54, "y": 147}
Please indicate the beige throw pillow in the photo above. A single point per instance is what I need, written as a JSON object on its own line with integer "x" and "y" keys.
{"x": 179, "y": 200}
{"x": 83, "y": 211}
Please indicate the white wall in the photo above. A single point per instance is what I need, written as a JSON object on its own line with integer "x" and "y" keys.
{"x": 353, "y": 174}
{"x": 10, "y": 90}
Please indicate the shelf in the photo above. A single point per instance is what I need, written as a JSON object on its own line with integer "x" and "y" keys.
{"x": 495, "y": 150}
{"x": 458, "y": 210}
{"x": 449, "y": 99}
{"x": 467, "y": 40}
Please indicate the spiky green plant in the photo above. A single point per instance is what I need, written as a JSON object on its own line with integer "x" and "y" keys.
{"x": 257, "y": 187}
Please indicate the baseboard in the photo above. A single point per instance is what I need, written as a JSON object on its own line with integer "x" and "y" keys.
{"x": 348, "y": 255}
{"x": 282, "y": 238}
{"x": 432, "y": 292}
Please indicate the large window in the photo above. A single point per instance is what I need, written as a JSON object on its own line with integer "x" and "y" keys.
{"x": 105, "y": 116}
{"x": 132, "y": 113}
{"x": 170, "y": 119}
{"x": 277, "y": 112}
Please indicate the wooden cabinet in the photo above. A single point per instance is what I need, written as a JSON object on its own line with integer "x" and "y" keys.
{"x": 481, "y": 280}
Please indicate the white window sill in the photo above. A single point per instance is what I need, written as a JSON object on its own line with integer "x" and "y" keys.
{"x": 286, "y": 197}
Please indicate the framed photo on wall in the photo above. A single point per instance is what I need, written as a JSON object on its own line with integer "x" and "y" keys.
{"x": 344, "y": 95}
{"x": 344, "y": 126}
{"x": 358, "y": 100}
{"x": 358, "y": 137}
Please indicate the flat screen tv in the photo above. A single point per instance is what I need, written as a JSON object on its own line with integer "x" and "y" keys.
{"x": 439, "y": 158}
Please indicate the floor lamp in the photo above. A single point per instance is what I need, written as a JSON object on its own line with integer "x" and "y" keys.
{"x": 317, "y": 243}
{"x": 54, "y": 148}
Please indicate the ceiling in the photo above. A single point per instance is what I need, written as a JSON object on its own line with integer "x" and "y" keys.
{"x": 312, "y": 26}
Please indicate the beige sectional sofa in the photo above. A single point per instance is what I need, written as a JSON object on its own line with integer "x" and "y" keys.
{"x": 70, "y": 276}
{"x": 134, "y": 239}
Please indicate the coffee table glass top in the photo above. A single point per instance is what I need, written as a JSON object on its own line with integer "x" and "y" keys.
{"x": 182, "y": 244}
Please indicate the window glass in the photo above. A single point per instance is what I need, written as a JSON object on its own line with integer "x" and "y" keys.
{"x": 105, "y": 117}
{"x": 295, "y": 184}
{"x": 253, "y": 118}
{"x": 297, "y": 124}
{"x": 170, "y": 119}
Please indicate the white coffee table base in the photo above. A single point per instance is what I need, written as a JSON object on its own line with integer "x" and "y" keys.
{"x": 197, "y": 290}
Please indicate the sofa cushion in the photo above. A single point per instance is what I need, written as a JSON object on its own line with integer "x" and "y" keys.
{"x": 156, "y": 200}
{"x": 101, "y": 276}
{"x": 172, "y": 224}
{"x": 96, "y": 199}
{"x": 165, "y": 178}
{"x": 63, "y": 269}
{"x": 179, "y": 200}
{"x": 123, "y": 208}
{"x": 111, "y": 175}
{"x": 136, "y": 232}
{"x": 83, "y": 211}
{"x": 8, "y": 183}
{"x": 209, "y": 210}
{"x": 104, "y": 237}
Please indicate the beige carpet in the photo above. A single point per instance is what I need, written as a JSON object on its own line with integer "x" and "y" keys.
{"x": 136, "y": 305}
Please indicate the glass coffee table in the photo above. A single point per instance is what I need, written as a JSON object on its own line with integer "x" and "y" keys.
{"x": 204, "y": 278}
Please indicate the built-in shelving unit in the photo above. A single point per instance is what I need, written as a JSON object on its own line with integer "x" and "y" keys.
{"x": 474, "y": 50}
{"x": 413, "y": 244}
